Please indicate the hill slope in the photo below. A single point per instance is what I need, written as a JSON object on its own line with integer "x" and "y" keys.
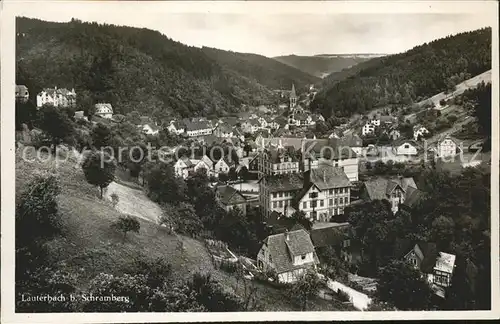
{"x": 141, "y": 69}
{"x": 405, "y": 78}
{"x": 268, "y": 72}
{"x": 322, "y": 65}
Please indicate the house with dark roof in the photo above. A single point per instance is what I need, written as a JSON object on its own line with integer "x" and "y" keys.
{"x": 333, "y": 235}
{"x": 224, "y": 130}
{"x": 398, "y": 191}
{"x": 325, "y": 193}
{"x": 195, "y": 128}
{"x": 288, "y": 255}
{"x": 230, "y": 198}
{"x": 438, "y": 267}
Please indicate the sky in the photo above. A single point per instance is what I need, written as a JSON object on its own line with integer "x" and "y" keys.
{"x": 272, "y": 34}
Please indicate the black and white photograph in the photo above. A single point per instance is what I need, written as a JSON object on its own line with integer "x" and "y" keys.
{"x": 259, "y": 160}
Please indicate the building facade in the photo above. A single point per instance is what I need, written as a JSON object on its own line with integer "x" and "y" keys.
{"x": 287, "y": 255}
{"x": 56, "y": 97}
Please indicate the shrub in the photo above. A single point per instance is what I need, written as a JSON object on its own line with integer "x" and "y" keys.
{"x": 114, "y": 199}
{"x": 127, "y": 224}
{"x": 37, "y": 214}
{"x": 343, "y": 296}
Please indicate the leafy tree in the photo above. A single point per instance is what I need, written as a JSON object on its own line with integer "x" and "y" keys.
{"x": 404, "y": 287}
{"x": 212, "y": 296}
{"x": 299, "y": 217}
{"x": 127, "y": 224}
{"x": 101, "y": 136}
{"x": 183, "y": 217}
{"x": 56, "y": 124}
{"x": 162, "y": 184}
{"x": 306, "y": 288}
{"x": 99, "y": 169}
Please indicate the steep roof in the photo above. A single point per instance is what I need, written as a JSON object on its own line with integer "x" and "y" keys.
{"x": 292, "y": 93}
{"x": 100, "y": 106}
{"x": 283, "y": 182}
{"x": 186, "y": 161}
{"x": 283, "y": 250}
{"x": 328, "y": 177}
{"x": 379, "y": 188}
{"x": 196, "y": 125}
{"x": 274, "y": 154}
{"x": 445, "y": 262}
{"x": 230, "y": 196}
{"x": 426, "y": 251}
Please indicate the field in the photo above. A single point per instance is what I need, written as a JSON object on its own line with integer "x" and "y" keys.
{"x": 89, "y": 246}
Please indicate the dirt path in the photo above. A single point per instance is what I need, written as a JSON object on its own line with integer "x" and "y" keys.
{"x": 134, "y": 202}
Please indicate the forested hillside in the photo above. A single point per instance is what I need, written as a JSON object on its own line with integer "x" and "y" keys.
{"x": 268, "y": 72}
{"x": 143, "y": 70}
{"x": 321, "y": 65}
{"x": 408, "y": 77}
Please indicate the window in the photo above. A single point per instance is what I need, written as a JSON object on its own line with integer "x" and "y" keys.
{"x": 331, "y": 192}
{"x": 341, "y": 200}
{"x": 346, "y": 200}
{"x": 331, "y": 202}
{"x": 321, "y": 203}
{"x": 336, "y": 201}
{"x": 280, "y": 194}
{"x": 281, "y": 203}
{"x": 275, "y": 204}
{"x": 336, "y": 191}
{"x": 275, "y": 195}
{"x": 407, "y": 146}
{"x": 304, "y": 204}
{"x": 303, "y": 257}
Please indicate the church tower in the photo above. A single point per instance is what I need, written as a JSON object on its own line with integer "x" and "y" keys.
{"x": 293, "y": 97}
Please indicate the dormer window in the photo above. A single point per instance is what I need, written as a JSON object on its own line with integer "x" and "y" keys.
{"x": 303, "y": 257}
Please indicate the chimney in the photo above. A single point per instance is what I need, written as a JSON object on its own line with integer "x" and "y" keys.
{"x": 324, "y": 175}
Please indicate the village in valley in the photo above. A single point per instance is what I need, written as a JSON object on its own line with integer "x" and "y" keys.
{"x": 282, "y": 192}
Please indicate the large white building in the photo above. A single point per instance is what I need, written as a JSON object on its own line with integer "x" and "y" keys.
{"x": 56, "y": 97}
{"x": 326, "y": 192}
